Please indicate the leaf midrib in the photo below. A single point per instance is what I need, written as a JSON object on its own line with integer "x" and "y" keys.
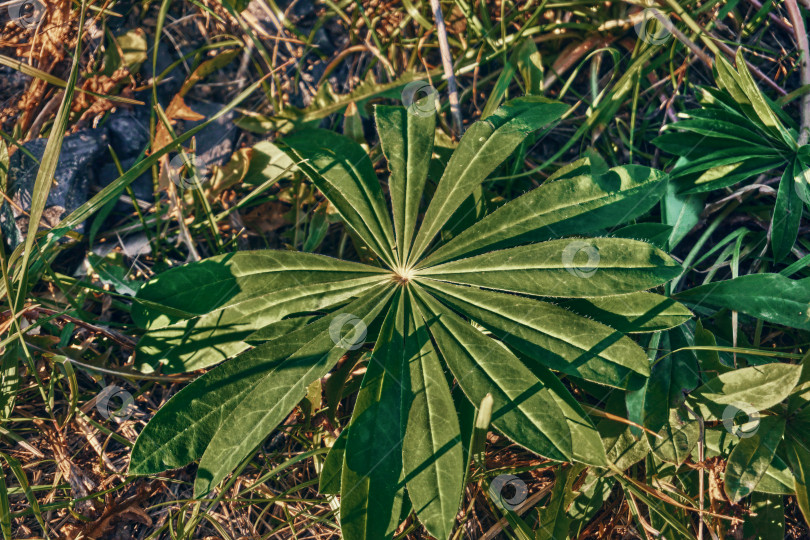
{"x": 557, "y": 337}
{"x": 347, "y": 284}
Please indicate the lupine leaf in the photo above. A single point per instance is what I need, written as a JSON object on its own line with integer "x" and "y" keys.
{"x": 482, "y": 148}
{"x": 372, "y": 482}
{"x": 550, "y": 335}
{"x": 407, "y": 142}
{"x": 431, "y": 437}
{"x": 202, "y": 406}
{"x": 270, "y": 398}
{"x": 342, "y": 170}
{"x": 532, "y": 408}
{"x": 570, "y": 205}
{"x": 566, "y": 268}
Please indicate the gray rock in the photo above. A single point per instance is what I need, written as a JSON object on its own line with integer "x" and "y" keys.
{"x": 129, "y": 132}
{"x": 74, "y": 173}
{"x": 173, "y": 81}
{"x": 12, "y": 84}
{"x": 142, "y": 186}
{"x": 215, "y": 143}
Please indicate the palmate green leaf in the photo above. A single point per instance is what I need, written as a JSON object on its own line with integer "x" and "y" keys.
{"x": 633, "y": 312}
{"x": 550, "y": 335}
{"x": 754, "y": 388}
{"x": 342, "y": 171}
{"x": 221, "y": 334}
{"x": 407, "y": 143}
{"x": 531, "y": 407}
{"x": 787, "y": 213}
{"x": 404, "y": 435}
{"x": 557, "y": 208}
{"x": 201, "y": 407}
{"x": 271, "y": 397}
{"x": 751, "y": 458}
{"x": 431, "y": 438}
{"x": 482, "y": 148}
{"x": 221, "y": 281}
{"x": 564, "y": 268}
{"x": 771, "y": 297}
{"x": 372, "y": 481}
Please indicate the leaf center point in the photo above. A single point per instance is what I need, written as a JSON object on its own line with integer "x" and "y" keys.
{"x": 404, "y": 275}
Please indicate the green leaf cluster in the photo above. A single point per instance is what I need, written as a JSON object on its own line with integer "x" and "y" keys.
{"x": 520, "y": 306}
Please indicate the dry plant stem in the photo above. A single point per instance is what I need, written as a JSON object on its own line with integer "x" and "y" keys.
{"x": 801, "y": 39}
{"x": 572, "y": 54}
{"x": 447, "y": 64}
{"x": 193, "y": 255}
{"x": 683, "y": 38}
{"x": 717, "y": 45}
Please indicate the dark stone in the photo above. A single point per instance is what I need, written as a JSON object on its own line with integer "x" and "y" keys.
{"x": 129, "y": 132}
{"x": 215, "y": 143}
{"x": 173, "y": 81}
{"x": 301, "y": 13}
{"x": 74, "y": 173}
{"x": 142, "y": 186}
{"x": 12, "y": 84}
